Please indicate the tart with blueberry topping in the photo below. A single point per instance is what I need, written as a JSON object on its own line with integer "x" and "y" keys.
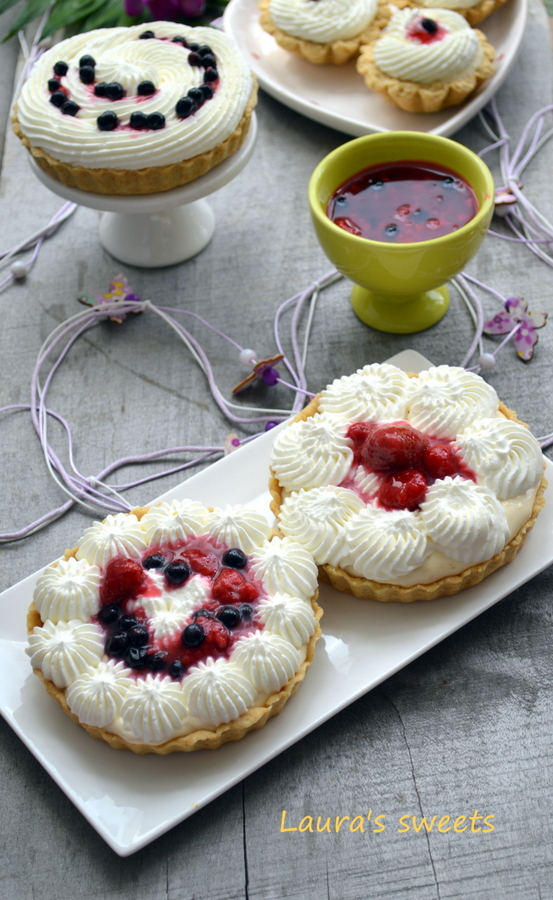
{"x": 175, "y": 627}
{"x": 407, "y": 487}
{"x": 135, "y": 111}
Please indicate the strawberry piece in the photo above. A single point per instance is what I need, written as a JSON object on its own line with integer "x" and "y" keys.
{"x": 124, "y": 578}
{"x": 230, "y": 586}
{"x": 440, "y": 460}
{"x": 395, "y": 445}
{"x": 215, "y": 642}
{"x": 403, "y": 490}
{"x": 202, "y": 563}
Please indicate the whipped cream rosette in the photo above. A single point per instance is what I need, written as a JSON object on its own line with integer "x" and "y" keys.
{"x": 474, "y": 11}
{"x": 136, "y": 110}
{"x": 175, "y": 627}
{"x": 426, "y": 60}
{"x": 324, "y": 31}
{"x": 407, "y": 487}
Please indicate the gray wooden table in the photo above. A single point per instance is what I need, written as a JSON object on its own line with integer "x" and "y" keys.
{"x": 466, "y": 727}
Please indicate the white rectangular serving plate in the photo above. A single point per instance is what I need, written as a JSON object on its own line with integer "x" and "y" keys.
{"x": 131, "y": 800}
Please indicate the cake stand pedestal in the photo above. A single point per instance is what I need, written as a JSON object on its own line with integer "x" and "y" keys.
{"x": 155, "y": 230}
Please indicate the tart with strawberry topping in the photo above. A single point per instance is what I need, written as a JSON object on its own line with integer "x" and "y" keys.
{"x": 407, "y": 487}
{"x": 175, "y": 627}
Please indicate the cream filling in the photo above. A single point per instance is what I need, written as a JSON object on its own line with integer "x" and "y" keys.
{"x": 437, "y": 565}
{"x": 122, "y": 57}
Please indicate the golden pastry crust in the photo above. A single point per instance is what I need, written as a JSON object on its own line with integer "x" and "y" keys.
{"x": 366, "y": 589}
{"x": 203, "y": 739}
{"x": 335, "y": 53}
{"x": 150, "y": 180}
{"x": 425, "y": 98}
{"x": 474, "y": 15}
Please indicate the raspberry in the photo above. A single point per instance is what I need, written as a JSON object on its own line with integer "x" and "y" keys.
{"x": 396, "y": 445}
{"x": 440, "y": 460}
{"x": 202, "y": 563}
{"x": 214, "y": 643}
{"x": 230, "y": 586}
{"x": 124, "y": 578}
{"x": 403, "y": 490}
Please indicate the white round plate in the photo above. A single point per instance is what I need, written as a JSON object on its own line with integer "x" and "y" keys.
{"x": 336, "y": 95}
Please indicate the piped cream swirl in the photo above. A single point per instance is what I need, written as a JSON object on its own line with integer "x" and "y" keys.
{"x": 311, "y": 453}
{"x": 65, "y": 650}
{"x": 119, "y": 535}
{"x": 153, "y": 709}
{"x": 285, "y": 567}
{"x": 447, "y": 399}
{"x": 97, "y": 695}
{"x": 458, "y": 52}
{"x": 323, "y": 21}
{"x": 316, "y": 518}
{"x": 375, "y": 392}
{"x": 68, "y": 589}
{"x": 504, "y": 454}
{"x": 218, "y": 691}
{"x": 238, "y": 526}
{"x": 173, "y": 521}
{"x": 268, "y": 660}
{"x": 382, "y": 545}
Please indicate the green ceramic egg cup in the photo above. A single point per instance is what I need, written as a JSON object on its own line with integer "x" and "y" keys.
{"x": 400, "y": 288}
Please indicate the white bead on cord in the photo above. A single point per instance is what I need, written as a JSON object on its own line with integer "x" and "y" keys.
{"x": 19, "y": 270}
{"x": 247, "y": 359}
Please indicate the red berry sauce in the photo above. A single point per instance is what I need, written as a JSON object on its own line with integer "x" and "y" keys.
{"x": 228, "y": 612}
{"x": 405, "y": 460}
{"x": 403, "y": 202}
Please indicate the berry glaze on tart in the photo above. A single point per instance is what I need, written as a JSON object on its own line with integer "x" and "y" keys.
{"x": 407, "y": 488}
{"x": 175, "y": 627}
{"x": 136, "y": 110}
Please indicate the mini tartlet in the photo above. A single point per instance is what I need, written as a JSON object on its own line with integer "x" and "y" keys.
{"x": 175, "y": 627}
{"x": 407, "y": 488}
{"x": 474, "y": 11}
{"x": 326, "y": 31}
{"x": 426, "y": 60}
{"x": 136, "y": 110}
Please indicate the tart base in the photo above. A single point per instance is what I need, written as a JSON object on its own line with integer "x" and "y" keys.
{"x": 150, "y": 180}
{"x": 335, "y": 53}
{"x": 427, "y": 98}
{"x": 366, "y": 589}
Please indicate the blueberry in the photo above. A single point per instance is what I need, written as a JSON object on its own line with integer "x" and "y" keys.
{"x": 195, "y": 59}
{"x": 178, "y": 571}
{"x": 204, "y": 49}
{"x": 341, "y": 200}
{"x": 391, "y": 229}
{"x": 179, "y": 39}
{"x": 211, "y": 75}
{"x": 156, "y": 661}
{"x": 208, "y": 61}
{"x": 61, "y": 68}
{"x": 429, "y": 25}
{"x": 203, "y": 612}
{"x": 139, "y": 121}
{"x": 154, "y": 560}
{"x": 155, "y": 121}
{"x": 146, "y": 35}
{"x": 448, "y": 180}
{"x": 117, "y": 644}
{"x": 58, "y": 98}
{"x": 138, "y": 636}
{"x": 194, "y": 47}
{"x": 53, "y": 84}
{"x": 145, "y": 88}
{"x": 207, "y": 91}
{"x": 235, "y": 558}
{"x": 196, "y": 95}
{"x": 115, "y": 91}
{"x": 127, "y": 622}
{"x": 246, "y": 612}
{"x": 100, "y": 89}
{"x": 87, "y": 60}
{"x": 177, "y": 669}
{"x": 70, "y": 108}
{"x": 229, "y": 616}
{"x": 107, "y": 121}
{"x": 193, "y": 635}
{"x": 137, "y": 657}
{"x": 185, "y": 107}
{"x": 86, "y": 74}
{"x": 377, "y": 185}
{"x": 109, "y": 614}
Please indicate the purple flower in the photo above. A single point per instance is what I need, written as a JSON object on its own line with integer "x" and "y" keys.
{"x": 133, "y": 8}
{"x": 172, "y": 10}
{"x": 516, "y": 313}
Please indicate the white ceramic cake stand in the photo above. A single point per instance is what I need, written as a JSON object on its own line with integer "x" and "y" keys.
{"x": 154, "y": 230}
